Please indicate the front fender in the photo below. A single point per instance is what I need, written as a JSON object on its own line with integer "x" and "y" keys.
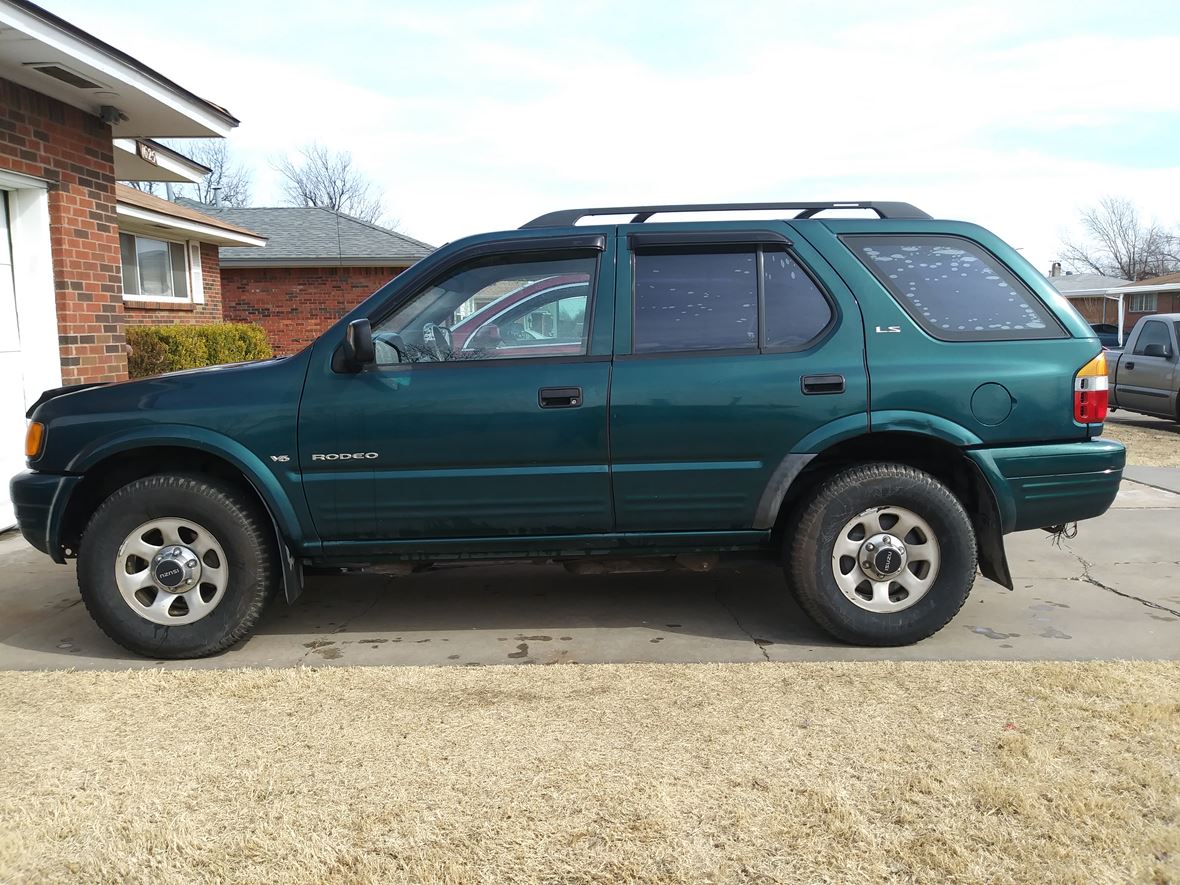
{"x": 277, "y": 500}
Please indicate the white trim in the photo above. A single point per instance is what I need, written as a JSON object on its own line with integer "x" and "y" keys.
{"x": 114, "y": 69}
{"x": 196, "y": 278}
{"x": 14, "y": 180}
{"x": 207, "y": 233}
{"x": 1158, "y": 287}
{"x": 36, "y": 296}
{"x": 190, "y": 171}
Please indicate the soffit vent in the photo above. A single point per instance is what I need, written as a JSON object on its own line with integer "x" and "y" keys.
{"x": 66, "y": 75}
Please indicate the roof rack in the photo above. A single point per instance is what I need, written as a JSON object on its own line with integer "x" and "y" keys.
{"x": 570, "y": 217}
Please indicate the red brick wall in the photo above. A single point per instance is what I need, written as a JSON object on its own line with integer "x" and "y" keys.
{"x": 162, "y": 313}
{"x": 1091, "y": 308}
{"x": 295, "y": 304}
{"x": 43, "y": 138}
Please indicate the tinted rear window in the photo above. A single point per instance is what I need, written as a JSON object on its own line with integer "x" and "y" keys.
{"x": 696, "y": 301}
{"x": 955, "y": 289}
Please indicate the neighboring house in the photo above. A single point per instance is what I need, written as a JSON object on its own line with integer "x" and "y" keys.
{"x": 1087, "y": 292}
{"x": 316, "y": 266}
{"x": 1119, "y": 302}
{"x": 77, "y": 114}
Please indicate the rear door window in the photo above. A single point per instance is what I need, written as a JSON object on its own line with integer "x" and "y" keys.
{"x": 953, "y": 288}
{"x": 754, "y": 297}
{"x": 692, "y": 300}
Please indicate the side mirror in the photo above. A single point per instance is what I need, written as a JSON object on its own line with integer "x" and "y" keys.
{"x": 1157, "y": 350}
{"x": 358, "y": 344}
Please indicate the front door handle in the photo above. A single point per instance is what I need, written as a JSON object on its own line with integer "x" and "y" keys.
{"x": 1128, "y": 365}
{"x": 559, "y": 397}
{"x": 819, "y": 384}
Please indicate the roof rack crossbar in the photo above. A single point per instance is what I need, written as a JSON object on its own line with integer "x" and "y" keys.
{"x": 570, "y": 217}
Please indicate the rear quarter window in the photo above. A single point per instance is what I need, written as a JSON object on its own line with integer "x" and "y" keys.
{"x": 953, "y": 288}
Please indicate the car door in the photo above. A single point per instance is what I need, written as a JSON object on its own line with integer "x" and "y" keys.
{"x": 459, "y": 435}
{"x": 730, "y": 352}
{"x": 1147, "y": 383}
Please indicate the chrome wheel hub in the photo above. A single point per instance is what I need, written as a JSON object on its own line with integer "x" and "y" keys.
{"x": 175, "y": 569}
{"x": 171, "y": 571}
{"x": 885, "y": 559}
{"x": 882, "y": 556}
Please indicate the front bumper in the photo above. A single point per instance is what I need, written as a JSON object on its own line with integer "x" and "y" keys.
{"x": 1044, "y": 485}
{"x": 40, "y": 502}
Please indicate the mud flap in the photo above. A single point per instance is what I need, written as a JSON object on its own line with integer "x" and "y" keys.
{"x": 989, "y": 535}
{"x": 292, "y": 567}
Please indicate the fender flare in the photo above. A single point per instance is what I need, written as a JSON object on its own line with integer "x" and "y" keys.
{"x": 285, "y": 521}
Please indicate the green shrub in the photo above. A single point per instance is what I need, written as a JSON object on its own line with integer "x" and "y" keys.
{"x": 156, "y": 349}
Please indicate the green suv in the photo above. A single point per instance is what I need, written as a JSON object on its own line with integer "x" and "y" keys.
{"x": 874, "y": 402}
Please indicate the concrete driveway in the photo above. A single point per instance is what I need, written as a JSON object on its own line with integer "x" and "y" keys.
{"x": 1112, "y": 592}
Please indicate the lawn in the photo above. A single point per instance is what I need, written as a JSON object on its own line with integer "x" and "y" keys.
{"x": 933, "y": 772}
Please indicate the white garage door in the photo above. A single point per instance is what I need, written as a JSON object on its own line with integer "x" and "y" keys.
{"x": 12, "y": 385}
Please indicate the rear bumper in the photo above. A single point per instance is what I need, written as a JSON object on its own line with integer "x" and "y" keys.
{"x": 1044, "y": 485}
{"x": 39, "y": 500}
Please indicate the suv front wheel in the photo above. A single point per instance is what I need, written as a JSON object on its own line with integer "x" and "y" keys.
{"x": 176, "y": 566}
{"x": 882, "y": 555}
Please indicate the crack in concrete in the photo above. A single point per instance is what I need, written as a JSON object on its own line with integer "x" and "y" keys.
{"x": 721, "y": 602}
{"x": 1090, "y": 579}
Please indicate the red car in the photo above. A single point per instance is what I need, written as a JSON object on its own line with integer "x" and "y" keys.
{"x": 548, "y": 313}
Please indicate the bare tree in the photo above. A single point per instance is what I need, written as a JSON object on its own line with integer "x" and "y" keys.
{"x": 227, "y": 174}
{"x": 155, "y": 188}
{"x": 1120, "y": 243}
{"x": 328, "y": 179}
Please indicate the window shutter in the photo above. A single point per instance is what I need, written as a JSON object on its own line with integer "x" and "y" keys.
{"x": 198, "y": 286}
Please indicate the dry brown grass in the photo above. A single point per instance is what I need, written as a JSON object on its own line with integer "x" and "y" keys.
{"x": 1150, "y": 442}
{"x": 944, "y": 772}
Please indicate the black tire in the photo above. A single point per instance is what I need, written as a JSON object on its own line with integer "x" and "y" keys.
{"x": 236, "y": 522}
{"x": 841, "y": 498}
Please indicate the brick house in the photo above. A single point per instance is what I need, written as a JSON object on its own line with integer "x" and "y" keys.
{"x": 77, "y": 114}
{"x": 316, "y": 266}
{"x": 1117, "y": 302}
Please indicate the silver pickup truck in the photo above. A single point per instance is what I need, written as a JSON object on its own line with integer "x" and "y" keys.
{"x": 1146, "y": 375}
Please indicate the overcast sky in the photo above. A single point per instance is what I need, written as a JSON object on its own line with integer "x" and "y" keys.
{"x": 479, "y": 116}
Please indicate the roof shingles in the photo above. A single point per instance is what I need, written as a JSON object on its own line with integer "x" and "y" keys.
{"x": 311, "y": 236}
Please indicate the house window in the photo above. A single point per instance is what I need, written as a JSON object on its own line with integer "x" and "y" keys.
{"x": 154, "y": 269}
{"x": 1142, "y": 302}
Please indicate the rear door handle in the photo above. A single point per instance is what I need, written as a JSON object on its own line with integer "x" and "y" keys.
{"x": 820, "y": 384}
{"x": 559, "y": 397}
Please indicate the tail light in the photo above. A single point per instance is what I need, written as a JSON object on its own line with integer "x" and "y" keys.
{"x": 1091, "y": 391}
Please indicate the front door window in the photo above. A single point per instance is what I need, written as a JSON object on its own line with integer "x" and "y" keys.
{"x": 506, "y": 306}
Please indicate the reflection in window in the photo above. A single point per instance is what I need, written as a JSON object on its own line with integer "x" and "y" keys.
{"x": 153, "y": 268}
{"x": 494, "y": 308}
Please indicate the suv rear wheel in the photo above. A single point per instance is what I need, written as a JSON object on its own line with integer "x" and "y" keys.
{"x": 883, "y": 555}
{"x": 176, "y": 566}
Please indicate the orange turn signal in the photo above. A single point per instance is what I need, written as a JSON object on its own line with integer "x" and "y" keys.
{"x": 34, "y": 439}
